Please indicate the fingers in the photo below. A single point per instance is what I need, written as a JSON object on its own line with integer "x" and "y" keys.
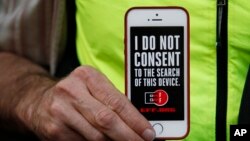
{"x": 120, "y": 114}
{"x": 58, "y": 132}
{"x": 106, "y": 120}
{"x": 84, "y": 128}
{"x": 98, "y": 115}
{"x": 85, "y": 105}
{"x": 62, "y": 110}
{"x": 78, "y": 123}
{"x": 102, "y": 109}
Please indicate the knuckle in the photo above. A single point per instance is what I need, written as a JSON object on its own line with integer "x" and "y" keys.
{"x": 56, "y": 110}
{"x": 116, "y": 103}
{"x": 52, "y": 131}
{"x": 85, "y": 72}
{"x": 60, "y": 87}
{"x": 105, "y": 118}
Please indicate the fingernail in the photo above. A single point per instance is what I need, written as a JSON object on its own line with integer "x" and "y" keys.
{"x": 148, "y": 135}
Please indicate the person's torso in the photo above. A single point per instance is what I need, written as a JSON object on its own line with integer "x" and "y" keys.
{"x": 100, "y": 43}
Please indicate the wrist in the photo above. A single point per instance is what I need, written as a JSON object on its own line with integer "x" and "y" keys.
{"x": 33, "y": 90}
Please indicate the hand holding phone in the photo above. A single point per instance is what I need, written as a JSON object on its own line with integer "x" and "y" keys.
{"x": 157, "y": 67}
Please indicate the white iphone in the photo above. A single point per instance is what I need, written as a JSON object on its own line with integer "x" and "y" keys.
{"x": 157, "y": 67}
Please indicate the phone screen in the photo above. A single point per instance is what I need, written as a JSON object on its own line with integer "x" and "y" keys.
{"x": 157, "y": 71}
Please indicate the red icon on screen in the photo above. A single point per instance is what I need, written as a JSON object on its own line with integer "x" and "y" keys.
{"x": 159, "y": 97}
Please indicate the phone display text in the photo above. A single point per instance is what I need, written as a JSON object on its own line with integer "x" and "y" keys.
{"x": 157, "y": 71}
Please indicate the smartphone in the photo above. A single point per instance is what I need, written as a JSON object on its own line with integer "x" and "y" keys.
{"x": 157, "y": 67}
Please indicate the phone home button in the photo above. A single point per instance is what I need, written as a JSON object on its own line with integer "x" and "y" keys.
{"x": 158, "y": 128}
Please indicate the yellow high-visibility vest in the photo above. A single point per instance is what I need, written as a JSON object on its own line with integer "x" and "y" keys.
{"x": 100, "y": 43}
